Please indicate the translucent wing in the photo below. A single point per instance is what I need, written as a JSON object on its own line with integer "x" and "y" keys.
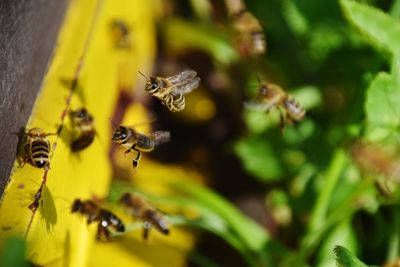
{"x": 257, "y": 105}
{"x": 160, "y": 137}
{"x": 182, "y": 76}
{"x": 187, "y": 86}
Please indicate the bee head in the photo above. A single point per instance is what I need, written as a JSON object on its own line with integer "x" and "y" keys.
{"x": 152, "y": 84}
{"x": 121, "y": 133}
{"x": 263, "y": 91}
{"x": 36, "y": 133}
{"x": 77, "y": 205}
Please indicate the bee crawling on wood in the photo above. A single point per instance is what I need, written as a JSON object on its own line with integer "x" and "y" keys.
{"x": 105, "y": 218}
{"x": 37, "y": 148}
{"x": 83, "y": 129}
{"x": 141, "y": 210}
{"x": 171, "y": 90}
{"x": 129, "y": 138}
{"x": 271, "y": 96}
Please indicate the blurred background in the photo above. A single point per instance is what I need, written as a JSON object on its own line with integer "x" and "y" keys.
{"x": 237, "y": 188}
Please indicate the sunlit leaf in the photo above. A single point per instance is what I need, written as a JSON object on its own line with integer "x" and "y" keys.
{"x": 258, "y": 158}
{"x": 344, "y": 258}
{"x": 381, "y": 30}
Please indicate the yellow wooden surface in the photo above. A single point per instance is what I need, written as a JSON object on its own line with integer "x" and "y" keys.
{"x": 57, "y": 237}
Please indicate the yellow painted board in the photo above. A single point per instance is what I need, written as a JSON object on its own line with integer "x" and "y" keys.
{"x": 57, "y": 237}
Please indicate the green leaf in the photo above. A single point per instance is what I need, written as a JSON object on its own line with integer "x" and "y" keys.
{"x": 382, "y": 108}
{"x": 344, "y": 258}
{"x": 381, "y": 30}
{"x": 341, "y": 234}
{"x": 258, "y": 158}
{"x": 13, "y": 253}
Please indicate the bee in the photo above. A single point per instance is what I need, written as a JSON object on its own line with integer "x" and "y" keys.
{"x": 83, "y": 129}
{"x": 249, "y": 33}
{"x": 132, "y": 140}
{"x": 271, "y": 96}
{"x": 121, "y": 34}
{"x": 37, "y": 148}
{"x": 140, "y": 209}
{"x": 105, "y": 218}
{"x": 171, "y": 90}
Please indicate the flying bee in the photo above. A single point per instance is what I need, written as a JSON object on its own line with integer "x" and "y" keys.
{"x": 132, "y": 140}
{"x": 37, "y": 148}
{"x": 271, "y": 96}
{"x": 249, "y": 33}
{"x": 121, "y": 34}
{"x": 105, "y": 218}
{"x": 171, "y": 90}
{"x": 140, "y": 209}
{"x": 83, "y": 129}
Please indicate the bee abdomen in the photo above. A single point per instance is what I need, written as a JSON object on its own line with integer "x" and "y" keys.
{"x": 294, "y": 109}
{"x": 158, "y": 221}
{"x": 39, "y": 154}
{"x": 82, "y": 141}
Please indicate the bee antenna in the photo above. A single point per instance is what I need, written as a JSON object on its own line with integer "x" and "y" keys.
{"x": 113, "y": 123}
{"x": 142, "y": 74}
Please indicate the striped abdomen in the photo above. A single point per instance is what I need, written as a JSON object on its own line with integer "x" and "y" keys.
{"x": 158, "y": 220}
{"x": 174, "y": 101}
{"x": 294, "y": 110}
{"x": 38, "y": 152}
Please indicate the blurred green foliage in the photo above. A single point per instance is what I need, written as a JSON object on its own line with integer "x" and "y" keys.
{"x": 340, "y": 60}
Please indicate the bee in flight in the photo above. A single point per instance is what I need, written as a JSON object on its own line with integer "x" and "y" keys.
{"x": 121, "y": 34}
{"x": 129, "y": 138}
{"x": 271, "y": 96}
{"x": 171, "y": 90}
{"x": 37, "y": 148}
{"x": 105, "y": 218}
{"x": 141, "y": 210}
{"x": 83, "y": 129}
{"x": 249, "y": 33}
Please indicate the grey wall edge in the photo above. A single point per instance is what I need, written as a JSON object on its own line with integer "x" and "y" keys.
{"x": 28, "y": 34}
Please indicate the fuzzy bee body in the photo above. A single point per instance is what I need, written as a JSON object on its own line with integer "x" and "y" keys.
{"x": 271, "y": 96}
{"x": 83, "y": 129}
{"x": 37, "y": 148}
{"x": 250, "y": 34}
{"x": 105, "y": 218}
{"x": 132, "y": 140}
{"x": 121, "y": 34}
{"x": 171, "y": 90}
{"x": 141, "y": 210}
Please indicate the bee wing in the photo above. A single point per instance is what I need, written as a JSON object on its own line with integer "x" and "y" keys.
{"x": 182, "y": 76}
{"x": 259, "y": 106}
{"x": 186, "y": 86}
{"x": 160, "y": 137}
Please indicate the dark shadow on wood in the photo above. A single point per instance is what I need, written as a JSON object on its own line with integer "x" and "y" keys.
{"x": 28, "y": 34}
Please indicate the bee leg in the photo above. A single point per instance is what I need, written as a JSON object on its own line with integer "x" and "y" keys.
{"x": 135, "y": 161}
{"x": 130, "y": 149}
{"x": 146, "y": 229}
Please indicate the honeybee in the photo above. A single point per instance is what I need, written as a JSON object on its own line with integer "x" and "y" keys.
{"x": 171, "y": 90}
{"x": 271, "y": 96}
{"x": 250, "y": 35}
{"x": 132, "y": 140}
{"x": 105, "y": 218}
{"x": 83, "y": 129}
{"x": 140, "y": 209}
{"x": 37, "y": 148}
{"x": 121, "y": 33}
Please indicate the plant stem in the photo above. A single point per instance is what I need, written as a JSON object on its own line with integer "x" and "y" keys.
{"x": 331, "y": 179}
